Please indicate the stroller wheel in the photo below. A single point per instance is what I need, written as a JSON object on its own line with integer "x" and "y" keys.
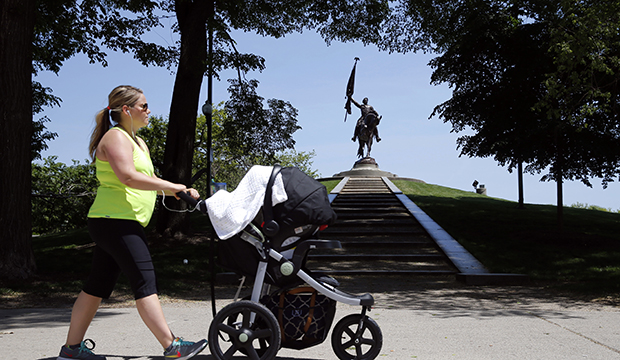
{"x": 247, "y": 327}
{"x": 358, "y": 338}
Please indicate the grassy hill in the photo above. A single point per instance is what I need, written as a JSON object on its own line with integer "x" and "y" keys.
{"x": 583, "y": 259}
{"x": 584, "y": 256}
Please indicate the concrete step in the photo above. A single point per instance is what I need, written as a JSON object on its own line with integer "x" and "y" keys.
{"x": 379, "y": 265}
{"x": 391, "y": 272}
{"x": 378, "y": 257}
{"x": 362, "y": 215}
{"x": 378, "y": 236}
{"x": 335, "y": 232}
{"x": 386, "y": 244}
{"x": 374, "y": 221}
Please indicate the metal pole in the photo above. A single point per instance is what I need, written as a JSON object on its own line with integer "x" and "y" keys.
{"x": 207, "y": 110}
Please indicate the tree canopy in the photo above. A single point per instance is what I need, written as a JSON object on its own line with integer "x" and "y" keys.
{"x": 230, "y": 163}
{"x": 533, "y": 81}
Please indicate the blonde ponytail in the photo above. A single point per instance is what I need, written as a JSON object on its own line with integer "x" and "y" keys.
{"x": 111, "y": 115}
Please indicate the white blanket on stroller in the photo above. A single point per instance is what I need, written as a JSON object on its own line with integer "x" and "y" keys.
{"x": 231, "y": 212}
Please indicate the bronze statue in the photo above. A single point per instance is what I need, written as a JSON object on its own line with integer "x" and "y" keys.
{"x": 366, "y": 127}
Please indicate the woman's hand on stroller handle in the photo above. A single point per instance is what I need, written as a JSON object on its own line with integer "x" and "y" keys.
{"x": 193, "y": 193}
{"x": 192, "y": 202}
{"x": 188, "y": 197}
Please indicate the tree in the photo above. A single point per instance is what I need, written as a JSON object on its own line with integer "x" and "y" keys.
{"x": 583, "y": 96}
{"x": 535, "y": 81}
{"x": 230, "y": 163}
{"x": 58, "y": 29}
{"x": 41, "y": 35}
{"x": 17, "y": 19}
{"x": 496, "y": 84}
{"x": 340, "y": 20}
{"x": 191, "y": 18}
{"x": 250, "y": 128}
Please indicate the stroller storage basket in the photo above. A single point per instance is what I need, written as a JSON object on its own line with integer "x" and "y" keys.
{"x": 304, "y": 315}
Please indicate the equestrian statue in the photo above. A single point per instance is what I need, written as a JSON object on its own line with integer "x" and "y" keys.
{"x": 366, "y": 127}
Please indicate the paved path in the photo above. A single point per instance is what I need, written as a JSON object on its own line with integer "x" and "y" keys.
{"x": 419, "y": 320}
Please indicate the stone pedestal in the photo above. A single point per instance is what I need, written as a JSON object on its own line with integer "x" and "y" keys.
{"x": 366, "y": 167}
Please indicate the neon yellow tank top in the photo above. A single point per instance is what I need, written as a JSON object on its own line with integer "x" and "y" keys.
{"x": 116, "y": 200}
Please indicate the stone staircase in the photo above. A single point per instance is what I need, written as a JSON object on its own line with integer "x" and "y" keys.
{"x": 379, "y": 236}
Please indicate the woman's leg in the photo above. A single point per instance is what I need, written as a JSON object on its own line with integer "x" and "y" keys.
{"x": 124, "y": 241}
{"x": 152, "y": 314}
{"x": 82, "y": 315}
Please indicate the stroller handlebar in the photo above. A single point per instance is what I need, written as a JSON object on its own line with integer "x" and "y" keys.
{"x": 187, "y": 198}
{"x": 202, "y": 206}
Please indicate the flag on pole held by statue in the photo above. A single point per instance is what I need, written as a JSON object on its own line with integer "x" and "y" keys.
{"x": 350, "y": 89}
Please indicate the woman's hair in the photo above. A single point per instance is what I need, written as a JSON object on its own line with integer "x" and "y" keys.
{"x": 121, "y": 95}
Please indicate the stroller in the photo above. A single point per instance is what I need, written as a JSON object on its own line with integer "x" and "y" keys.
{"x": 273, "y": 249}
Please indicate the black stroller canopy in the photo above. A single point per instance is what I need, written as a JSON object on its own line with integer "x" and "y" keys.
{"x": 307, "y": 204}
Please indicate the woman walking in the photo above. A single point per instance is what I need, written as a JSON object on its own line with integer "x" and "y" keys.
{"x": 122, "y": 208}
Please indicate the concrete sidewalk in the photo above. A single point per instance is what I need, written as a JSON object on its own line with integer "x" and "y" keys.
{"x": 436, "y": 321}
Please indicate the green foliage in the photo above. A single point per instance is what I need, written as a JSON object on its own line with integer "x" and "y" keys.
{"x": 41, "y": 97}
{"x": 61, "y": 195}
{"x": 579, "y": 205}
{"x": 496, "y": 84}
{"x": 534, "y": 82}
{"x": 583, "y": 97}
{"x": 301, "y": 160}
{"x": 65, "y": 28}
{"x": 231, "y": 159}
{"x": 250, "y": 128}
{"x": 40, "y": 137}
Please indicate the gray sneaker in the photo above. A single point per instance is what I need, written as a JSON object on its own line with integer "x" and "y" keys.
{"x": 84, "y": 352}
{"x": 182, "y": 350}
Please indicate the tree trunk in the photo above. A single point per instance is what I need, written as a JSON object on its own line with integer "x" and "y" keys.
{"x": 520, "y": 180}
{"x": 559, "y": 184}
{"x": 192, "y": 16}
{"x": 16, "y": 35}
{"x": 558, "y": 173}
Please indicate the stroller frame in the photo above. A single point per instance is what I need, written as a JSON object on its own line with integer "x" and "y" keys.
{"x": 366, "y": 300}
{"x": 249, "y": 327}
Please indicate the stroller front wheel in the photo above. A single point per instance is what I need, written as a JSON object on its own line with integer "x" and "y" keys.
{"x": 357, "y": 337}
{"x": 247, "y": 327}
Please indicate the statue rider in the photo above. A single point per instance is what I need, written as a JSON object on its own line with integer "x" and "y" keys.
{"x": 365, "y": 109}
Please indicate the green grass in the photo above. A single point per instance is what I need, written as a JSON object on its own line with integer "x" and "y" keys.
{"x": 584, "y": 259}
{"x": 330, "y": 184}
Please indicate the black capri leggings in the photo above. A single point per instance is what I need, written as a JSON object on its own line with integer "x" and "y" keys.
{"x": 121, "y": 247}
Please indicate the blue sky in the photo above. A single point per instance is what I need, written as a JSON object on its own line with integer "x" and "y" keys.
{"x": 312, "y": 76}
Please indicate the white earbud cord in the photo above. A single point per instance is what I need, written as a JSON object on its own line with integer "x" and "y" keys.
{"x": 163, "y": 196}
{"x": 133, "y": 134}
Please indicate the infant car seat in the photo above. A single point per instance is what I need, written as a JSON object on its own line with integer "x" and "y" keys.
{"x": 306, "y": 211}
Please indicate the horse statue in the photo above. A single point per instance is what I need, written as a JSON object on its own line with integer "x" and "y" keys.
{"x": 367, "y": 131}
{"x": 366, "y": 127}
